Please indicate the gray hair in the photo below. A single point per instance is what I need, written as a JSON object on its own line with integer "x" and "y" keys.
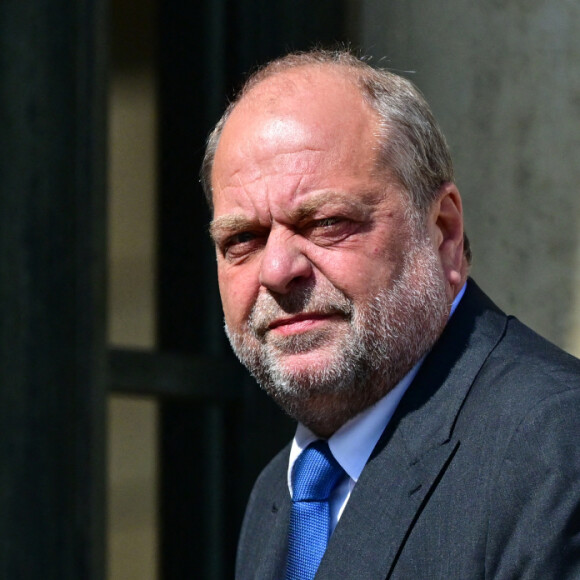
{"x": 412, "y": 147}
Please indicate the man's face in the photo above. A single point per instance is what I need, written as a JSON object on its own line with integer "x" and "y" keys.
{"x": 330, "y": 291}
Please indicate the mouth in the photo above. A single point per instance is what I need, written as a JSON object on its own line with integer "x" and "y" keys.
{"x": 300, "y": 323}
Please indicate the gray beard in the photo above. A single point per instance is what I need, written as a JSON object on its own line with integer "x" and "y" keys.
{"x": 387, "y": 335}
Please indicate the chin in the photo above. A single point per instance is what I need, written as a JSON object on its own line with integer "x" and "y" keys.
{"x": 322, "y": 407}
{"x": 298, "y": 365}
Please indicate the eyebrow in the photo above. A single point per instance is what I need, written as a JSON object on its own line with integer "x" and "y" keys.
{"x": 228, "y": 223}
{"x": 309, "y": 207}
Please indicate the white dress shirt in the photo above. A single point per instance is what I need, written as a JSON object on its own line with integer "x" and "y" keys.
{"x": 354, "y": 442}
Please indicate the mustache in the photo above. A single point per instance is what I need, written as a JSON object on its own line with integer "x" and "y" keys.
{"x": 269, "y": 307}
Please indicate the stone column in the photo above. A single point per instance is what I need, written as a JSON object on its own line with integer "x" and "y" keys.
{"x": 52, "y": 289}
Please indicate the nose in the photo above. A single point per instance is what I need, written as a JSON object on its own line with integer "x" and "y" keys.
{"x": 283, "y": 263}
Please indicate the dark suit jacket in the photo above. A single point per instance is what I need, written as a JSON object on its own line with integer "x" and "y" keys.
{"x": 477, "y": 474}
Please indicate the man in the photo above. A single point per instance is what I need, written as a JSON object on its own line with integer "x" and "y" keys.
{"x": 343, "y": 270}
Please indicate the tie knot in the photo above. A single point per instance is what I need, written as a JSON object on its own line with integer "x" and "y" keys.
{"x": 315, "y": 473}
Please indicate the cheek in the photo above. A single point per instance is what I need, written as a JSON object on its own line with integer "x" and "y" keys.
{"x": 238, "y": 296}
{"x": 360, "y": 274}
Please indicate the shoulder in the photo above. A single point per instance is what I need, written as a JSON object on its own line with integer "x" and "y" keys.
{"x": 515, "y": 363}
{"x": 524, "y": 382}
{"x": 526, "y": 371}
{"x": 272, "y": 480}
{"x": 531, "y": 348}
{"x": 519, "y": 454}
{"x": 261, "y": 541}
{"x": 536, "y": 392}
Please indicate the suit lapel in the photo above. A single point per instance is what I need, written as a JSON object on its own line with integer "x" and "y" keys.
{"x": 416, "y": 448}
{"x": 381, "y": 511}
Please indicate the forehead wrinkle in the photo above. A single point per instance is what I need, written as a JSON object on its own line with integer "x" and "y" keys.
{"x": 294, "y": 161}
{"x": 301, "y": 166}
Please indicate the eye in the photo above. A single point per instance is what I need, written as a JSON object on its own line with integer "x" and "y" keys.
{"x": 240, "y": 245}
{"x": 327, "y": 222}
{"x": 331, "y": 230}
{"x": 241, "y": 238}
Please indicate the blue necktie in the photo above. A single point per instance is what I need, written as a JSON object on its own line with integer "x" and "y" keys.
{"x": 314, "y": 476}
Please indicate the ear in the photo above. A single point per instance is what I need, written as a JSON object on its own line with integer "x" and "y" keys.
{"x": 446, "y": 229}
